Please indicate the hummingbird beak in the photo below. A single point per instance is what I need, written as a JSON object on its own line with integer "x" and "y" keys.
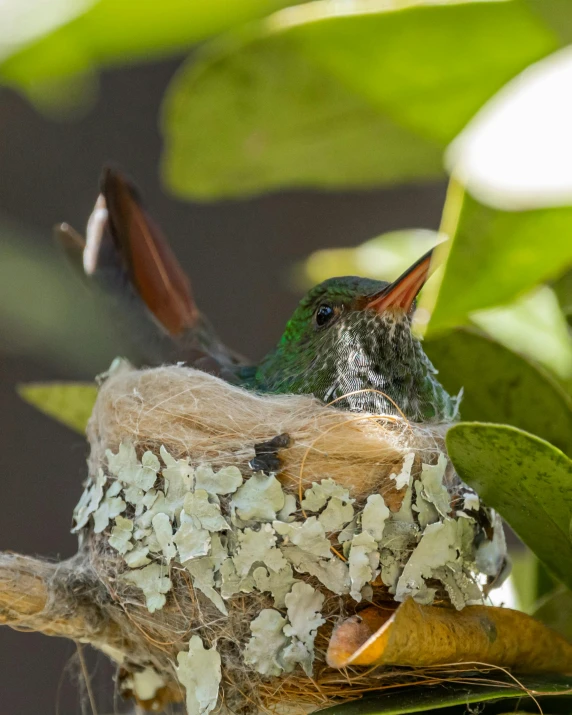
{"x": 401, "y": 294}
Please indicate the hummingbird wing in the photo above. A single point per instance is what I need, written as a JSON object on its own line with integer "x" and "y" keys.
{"x": 130, "y": 262}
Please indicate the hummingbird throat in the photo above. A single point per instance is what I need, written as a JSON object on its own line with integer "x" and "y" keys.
{"x": 366, "y": 362}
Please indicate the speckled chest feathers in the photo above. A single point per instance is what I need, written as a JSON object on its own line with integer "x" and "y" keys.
{"x": 362, "y": 358}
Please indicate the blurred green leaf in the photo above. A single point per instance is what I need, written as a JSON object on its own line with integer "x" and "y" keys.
{"x": 322, "y": 95}
{"x": 496, "y": 256}
{"x": 531, "y": 580}
{"x": 555, "y": 610}
{"x": 526, "y": 479}
{"x": 501, "y": 386}
{"x": 563, "y": 290}
{"x": 535, "y": 326}
{"x": 43, "y": 43}
{"x": 46, "y": 311}
{"x": 524, "y": 576}
{"x": 68, "y": 402}
{"x": 384, "y": 257}
{"x": 420, "y": 698}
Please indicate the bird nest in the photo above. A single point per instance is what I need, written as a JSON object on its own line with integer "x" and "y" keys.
{"x": 233, "y": 546}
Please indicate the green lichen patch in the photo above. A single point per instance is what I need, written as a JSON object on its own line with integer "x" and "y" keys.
{"x": 154, "y": 583}
{"x": 121, "y": 534}
{"x": 363, "y": 562}
{"x": 263, "y": 651}
{"x": 258, "y": 547}
{"x": 278, "y": 583}
{"x": 316, "y": 497}
{"x": 199, "y": 672}
{"x": 247, "y": 539}
{"x": 374, "y": 515}
{"x": 259, "y": 498}
{"x": 403, "y": 478}
{"x": 309, "y": 535}
{"x": 304, "y": 605}
{"x": 225, "y": 481}
{"x": 434, "y": 490}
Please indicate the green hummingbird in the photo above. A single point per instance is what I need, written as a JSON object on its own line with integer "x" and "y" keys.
{"x": 349, "y": 342}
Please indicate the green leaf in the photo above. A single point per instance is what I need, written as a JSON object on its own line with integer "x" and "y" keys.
{"x": 524, "y": 578}
{"x": 496, "y": 256}
{"x": 384, "y": 257}
{"x": 555, "y": 610}
{"x": 68, "y": 402}
{"x": 527, "y": 480}
{"x": 563, "y": 289}
{"x": 473, "y": 689}
{"x": 316, "y": 96}
{"x": 63, "y": 322}
{"x": 535, "y": 326}
{"x": 501, "y": 386}
{"x": 270, "y": 118}
{"x": 47, "y": 42}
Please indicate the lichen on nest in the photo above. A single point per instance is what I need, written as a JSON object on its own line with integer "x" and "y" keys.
{"x": 207, "y": 557}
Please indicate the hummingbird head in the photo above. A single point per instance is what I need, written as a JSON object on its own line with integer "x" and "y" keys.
{"x": 352, "y": 334}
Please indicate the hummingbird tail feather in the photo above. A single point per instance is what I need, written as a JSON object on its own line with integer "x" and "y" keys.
{"x": 129, "y": 261}
{"x": 147, "y": 257}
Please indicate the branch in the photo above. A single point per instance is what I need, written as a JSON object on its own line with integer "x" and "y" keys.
{"x": 36, "y": 595}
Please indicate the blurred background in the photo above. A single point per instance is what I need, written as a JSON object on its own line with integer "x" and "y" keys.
{"x": 320, "y": 127}
{"x": 239, "y": 254}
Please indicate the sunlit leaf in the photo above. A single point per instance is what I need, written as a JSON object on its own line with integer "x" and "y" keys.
{"x": 25, "y": 23}
{"x": 68, "y": 402}
{"x": 524, "y": 576}
{"x": 526, "y": 479}
{"x": 384, "y": 257}
{"x": 497, "y": 256}
{"x": 324, "y": 96}
{"x": 563, "y": 290}
{"x": 501, "y": 386}
{"x": 43, "y": 43}
{"x": 534, "y": 326}
{"x": 515, "y": 154}
{"x": 509, "y": 209}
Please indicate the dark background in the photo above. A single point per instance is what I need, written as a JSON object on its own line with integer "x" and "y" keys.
{"x": 238, "y": 255}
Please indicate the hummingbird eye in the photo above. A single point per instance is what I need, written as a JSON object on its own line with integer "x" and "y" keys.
{"x": 324, "y": 315}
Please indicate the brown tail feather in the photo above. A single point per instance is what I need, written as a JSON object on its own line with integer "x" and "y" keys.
{"x": 151, "y": 265}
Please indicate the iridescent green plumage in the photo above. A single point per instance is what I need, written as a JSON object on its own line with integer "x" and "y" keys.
{"x": 360, "y": 349}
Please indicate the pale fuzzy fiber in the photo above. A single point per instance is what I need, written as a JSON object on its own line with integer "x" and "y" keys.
{"x": 197, "y": 415}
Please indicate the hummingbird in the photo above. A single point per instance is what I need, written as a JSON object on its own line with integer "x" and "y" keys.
{"x": 348, "y": 343}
